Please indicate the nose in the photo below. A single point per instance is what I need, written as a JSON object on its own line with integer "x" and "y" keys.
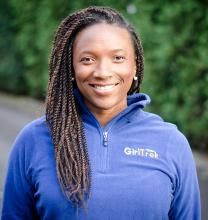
{"x": 102, "y": 69}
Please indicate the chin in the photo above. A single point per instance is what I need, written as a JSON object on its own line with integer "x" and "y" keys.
{"x": 107, "y": 106}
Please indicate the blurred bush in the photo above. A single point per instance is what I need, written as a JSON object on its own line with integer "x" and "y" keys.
{"x": 174, "y": 35}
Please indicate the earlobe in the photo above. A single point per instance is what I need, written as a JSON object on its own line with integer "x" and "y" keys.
{"x": 135, "y": 73}
{"x": 135, "y": 77}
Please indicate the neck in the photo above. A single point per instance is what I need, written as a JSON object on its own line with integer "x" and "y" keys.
{"x": 105, "y": 115}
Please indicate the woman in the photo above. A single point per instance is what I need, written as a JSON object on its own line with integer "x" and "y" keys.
{"x": 97, "y": 155}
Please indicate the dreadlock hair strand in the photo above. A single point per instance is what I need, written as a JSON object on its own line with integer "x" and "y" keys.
{"x": 62, "y": 112}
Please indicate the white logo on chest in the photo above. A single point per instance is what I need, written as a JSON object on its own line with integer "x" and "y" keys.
{"x": 141, "y": 152}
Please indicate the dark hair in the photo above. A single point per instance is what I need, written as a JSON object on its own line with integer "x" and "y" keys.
{"x": 62, "y": 115}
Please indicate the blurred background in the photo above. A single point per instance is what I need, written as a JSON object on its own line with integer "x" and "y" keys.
{"x": 174, "y": 36}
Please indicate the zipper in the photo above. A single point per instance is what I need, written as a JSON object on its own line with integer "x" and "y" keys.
{"x": 105, "y": 149}
{"x": 104, "y": 160}
{"x": 104, "y": 133}
{"x": 105, "y": 138}
{"x": 105, "y": 152}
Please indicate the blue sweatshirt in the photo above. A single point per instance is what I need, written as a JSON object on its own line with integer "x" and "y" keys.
{"x": 142, "y": 169}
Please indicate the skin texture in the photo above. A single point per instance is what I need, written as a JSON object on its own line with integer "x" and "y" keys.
{"x": 103, "y": 55}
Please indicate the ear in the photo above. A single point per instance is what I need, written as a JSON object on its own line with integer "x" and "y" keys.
{"x": 135, "y": 68}
{"x": 135, "y": 65}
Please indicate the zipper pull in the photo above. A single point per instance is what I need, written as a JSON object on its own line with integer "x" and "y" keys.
{"x": 105, "y": 138}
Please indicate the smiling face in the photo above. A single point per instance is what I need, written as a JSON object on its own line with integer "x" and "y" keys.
{"x": 104, "y": 65}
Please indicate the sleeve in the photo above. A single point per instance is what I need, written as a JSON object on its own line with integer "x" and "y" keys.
{"x": 186, "y": 201}
{"x": 18, "y": 200}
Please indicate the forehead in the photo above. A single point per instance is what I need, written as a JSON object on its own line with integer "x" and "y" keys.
{"x": 110, "y": 35}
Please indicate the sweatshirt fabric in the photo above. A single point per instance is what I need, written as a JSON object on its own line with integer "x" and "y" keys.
{"x": 142, "y": 169}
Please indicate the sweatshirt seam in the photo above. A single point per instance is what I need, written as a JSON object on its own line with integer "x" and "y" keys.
{"x": 177, "y": 181}
{"x": 168, "y": 159}
{"x": 29, "y": 166}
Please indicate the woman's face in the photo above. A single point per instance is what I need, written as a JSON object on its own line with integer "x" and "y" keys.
{"x": 104, "y": 65}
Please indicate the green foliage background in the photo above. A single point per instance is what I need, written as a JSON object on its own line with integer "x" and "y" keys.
{"x": 174, "y": 35}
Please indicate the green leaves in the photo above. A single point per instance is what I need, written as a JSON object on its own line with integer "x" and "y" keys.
{"x": 174, "y": 35}
{"x": 177, "y": 65}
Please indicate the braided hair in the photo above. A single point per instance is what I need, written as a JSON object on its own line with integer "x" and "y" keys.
{"x": 62, "y": 113}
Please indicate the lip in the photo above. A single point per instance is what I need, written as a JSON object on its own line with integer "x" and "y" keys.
{"x": 103, "y": 84}
{"x": 103, "y": 88}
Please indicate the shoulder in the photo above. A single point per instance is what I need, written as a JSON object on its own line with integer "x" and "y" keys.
{"x": 174, "y": 138}
{"x": 178, "y": 145}
{"x": 37, "y": 123}
{"x": 32, "y": 140}
{"x": 28, "y": 135}
{"x": 33, "y": 127}
{"x": 177, "y": 150}
{"x": 155, "y": 121}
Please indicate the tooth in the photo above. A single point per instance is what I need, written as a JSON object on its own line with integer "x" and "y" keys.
{"x": 104, "y": 87}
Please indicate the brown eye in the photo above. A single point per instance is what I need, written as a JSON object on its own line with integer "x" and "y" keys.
{"x": 87, "y": 60}
{"x": 119, "y": 59}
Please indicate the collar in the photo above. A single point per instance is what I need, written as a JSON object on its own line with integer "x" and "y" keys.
{"x": 134, "y": 102}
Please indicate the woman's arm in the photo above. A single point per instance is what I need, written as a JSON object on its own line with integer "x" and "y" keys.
{"x": 18, "y": 200}
{"x": 186, "y": 202}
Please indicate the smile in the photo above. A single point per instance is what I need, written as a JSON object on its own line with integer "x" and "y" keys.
{"x": 103, "y": 88}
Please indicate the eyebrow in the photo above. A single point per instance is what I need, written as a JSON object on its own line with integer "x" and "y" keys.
{"x": 117, "y": 50}
{"x": 114, "y": 50}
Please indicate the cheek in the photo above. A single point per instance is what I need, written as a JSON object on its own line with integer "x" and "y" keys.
{"x": 81, "y": 72}
{"x": 127, "y": 73}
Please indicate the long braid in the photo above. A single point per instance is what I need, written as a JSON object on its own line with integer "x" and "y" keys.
{"x": 62, "y": 114}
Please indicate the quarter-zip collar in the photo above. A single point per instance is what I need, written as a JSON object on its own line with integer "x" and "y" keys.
{"x": 134, "y": 102}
